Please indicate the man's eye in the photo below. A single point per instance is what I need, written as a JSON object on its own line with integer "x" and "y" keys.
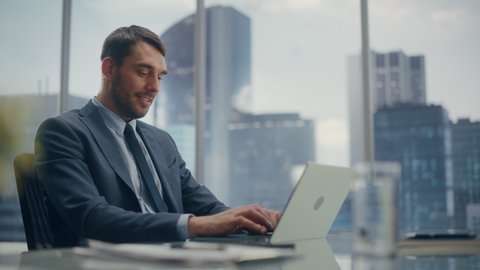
{"x": 143, "y": 73}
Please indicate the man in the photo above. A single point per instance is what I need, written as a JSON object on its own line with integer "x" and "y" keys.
{"x": 110, "y": 177}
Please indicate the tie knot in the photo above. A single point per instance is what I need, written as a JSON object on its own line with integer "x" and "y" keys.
{"x": 128, "y": 130}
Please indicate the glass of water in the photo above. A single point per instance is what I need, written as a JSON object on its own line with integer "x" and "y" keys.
{"x": 374, "y": 205}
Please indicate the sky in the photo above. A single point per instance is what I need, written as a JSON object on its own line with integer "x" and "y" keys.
{"x": 299, "y": 51}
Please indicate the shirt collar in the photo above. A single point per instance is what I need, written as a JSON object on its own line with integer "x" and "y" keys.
{"x": 111, "y": 119}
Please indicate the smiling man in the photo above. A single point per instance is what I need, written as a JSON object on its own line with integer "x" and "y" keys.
{"x": 111, "y": 177}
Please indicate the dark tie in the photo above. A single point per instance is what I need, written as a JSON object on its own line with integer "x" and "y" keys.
{"x": 148, "y": 189}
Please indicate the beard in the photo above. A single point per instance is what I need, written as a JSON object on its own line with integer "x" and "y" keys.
{"x": 122, "y": 100}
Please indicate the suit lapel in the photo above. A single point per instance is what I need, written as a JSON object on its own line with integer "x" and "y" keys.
{"x": 94, "y": 122}
{"x": 160, "y": 165}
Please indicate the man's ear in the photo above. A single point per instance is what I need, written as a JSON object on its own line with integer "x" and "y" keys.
{"x": 107, "y": 68}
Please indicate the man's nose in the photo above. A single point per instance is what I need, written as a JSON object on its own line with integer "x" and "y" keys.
{"x": 153, "y": 84}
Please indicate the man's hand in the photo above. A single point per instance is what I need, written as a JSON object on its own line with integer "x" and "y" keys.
{"x": 252, "y": 218}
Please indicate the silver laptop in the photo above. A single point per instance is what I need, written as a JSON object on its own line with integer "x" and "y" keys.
{"x": 310, "y": 210}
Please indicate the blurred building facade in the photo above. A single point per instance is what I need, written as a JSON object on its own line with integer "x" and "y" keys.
{"x": 245, "y": 153}
{"x": 265, "y": 150}
{"x": 466, "y": 172}
{"x": 228, "y": 60}
{"x": 418, "y": 137}
{"x": 395, "y": 78}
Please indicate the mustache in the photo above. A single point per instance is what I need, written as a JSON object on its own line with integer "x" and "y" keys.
{"x": 148, "y": 95}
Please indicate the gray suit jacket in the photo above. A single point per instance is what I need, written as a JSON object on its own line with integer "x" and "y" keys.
{"x": 89, "y": 193}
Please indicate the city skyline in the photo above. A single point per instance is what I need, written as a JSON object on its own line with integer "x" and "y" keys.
{"x": 299, "y": 51}
{"x": 304, "y": 70}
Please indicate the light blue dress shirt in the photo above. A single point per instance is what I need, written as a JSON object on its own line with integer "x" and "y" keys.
{"x": 117, "y": 126}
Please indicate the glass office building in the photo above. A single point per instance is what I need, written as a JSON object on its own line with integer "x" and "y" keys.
{"x": 395, "y": 78}
{"x": 466, "y": 171}
{"x": 419, "y": 138}
{"x": 398, "y": 78}
{"x": 228, "y": 60}
{"x": 266, "y": 153}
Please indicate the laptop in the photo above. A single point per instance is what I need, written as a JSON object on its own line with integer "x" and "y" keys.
{"x": 309, "y": 212}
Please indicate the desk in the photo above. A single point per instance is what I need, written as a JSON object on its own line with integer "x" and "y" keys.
{"x": 334, "y": 253}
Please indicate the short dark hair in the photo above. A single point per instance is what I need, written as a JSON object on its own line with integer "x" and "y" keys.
{"x": 119, "y": 43}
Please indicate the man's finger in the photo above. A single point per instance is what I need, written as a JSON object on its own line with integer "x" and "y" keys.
{"x": 246, "y": 224}
{"x": 258, "y": 216}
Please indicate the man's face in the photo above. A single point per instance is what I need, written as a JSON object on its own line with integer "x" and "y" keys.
{"x": 136, "y": 82}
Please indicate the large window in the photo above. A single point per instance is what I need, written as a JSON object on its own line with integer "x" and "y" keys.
{"x": 433, "y": 84}
{"x": 30, "y": 65}
{"x": 283, "y": 82}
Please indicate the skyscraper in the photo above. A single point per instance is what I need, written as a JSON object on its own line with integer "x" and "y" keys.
{"x": 228, "y": 60}
{"x": 466, "y": 168}
{"x": 395, "y": 78}
{"x": 419, "y": 138}
{"x": 398, "y": 78}
{"x": 265, "y": 150}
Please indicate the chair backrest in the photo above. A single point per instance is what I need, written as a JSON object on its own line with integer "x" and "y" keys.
{"x": 32, "y": 203}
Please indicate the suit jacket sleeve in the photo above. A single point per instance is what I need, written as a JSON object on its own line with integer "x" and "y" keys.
{"x": 86, "y": 194}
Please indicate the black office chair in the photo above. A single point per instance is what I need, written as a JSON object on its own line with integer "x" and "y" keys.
{"x": 32, "y": 204}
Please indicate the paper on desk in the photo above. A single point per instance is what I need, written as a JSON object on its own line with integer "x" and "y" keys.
{"x": 439, "y": 247}
{"x": 188, "y": 252}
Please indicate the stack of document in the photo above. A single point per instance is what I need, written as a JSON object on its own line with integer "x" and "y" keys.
{"x": 189, "y": 253}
